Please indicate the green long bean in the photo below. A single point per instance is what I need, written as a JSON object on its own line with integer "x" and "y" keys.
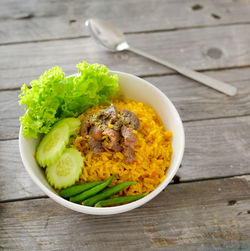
{"x": 107, "y": 193}
{"x": 91, "y": 192}
{"x": 76, "y": 189}
{"x": 119, "y": 200}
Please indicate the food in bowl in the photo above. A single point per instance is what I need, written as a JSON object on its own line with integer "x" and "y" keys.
{"x": 147, "y": 165}
{"x": 129, "y": 156}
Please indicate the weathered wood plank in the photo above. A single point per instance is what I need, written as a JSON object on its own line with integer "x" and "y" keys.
{"x": 210, "y": 215}
{"x": 214, "y": 148}
{"x": 9, "y": 114}
{"x": 196, "y": 48}
{"x": 41, "y": 20}
{"x": 14, "y": 181}
{"x": 195, "y": 101}
{"x": 192, "y": 100}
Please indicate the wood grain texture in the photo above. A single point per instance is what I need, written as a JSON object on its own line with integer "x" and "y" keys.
{"x": 214, "y": 148}
{"x": 192, "y": 100}
{"x": 9, "y": 114}
{"x": 208, "y": 215}
{"x": 195, "y": 101}
{"x": 211, "y": 36}
{"x": 14, "y": 180}
{"x": 43, "y": 20}
{"x": 195, "y": 48}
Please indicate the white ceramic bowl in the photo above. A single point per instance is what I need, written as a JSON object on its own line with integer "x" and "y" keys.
{"x": 138, "y": 90}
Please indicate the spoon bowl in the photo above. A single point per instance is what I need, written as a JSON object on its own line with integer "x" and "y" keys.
{"x": 106, "y": 34}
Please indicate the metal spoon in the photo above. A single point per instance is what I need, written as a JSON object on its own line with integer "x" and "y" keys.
{"x": 112, "y": 38}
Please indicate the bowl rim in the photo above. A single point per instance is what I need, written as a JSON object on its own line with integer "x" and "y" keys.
{"x": 120, "y": 208}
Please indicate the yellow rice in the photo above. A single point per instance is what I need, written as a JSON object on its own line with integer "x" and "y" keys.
{"x": 153, "y": 153}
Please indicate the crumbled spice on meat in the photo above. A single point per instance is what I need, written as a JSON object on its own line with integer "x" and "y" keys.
{"x": 110, "y": 129}
{"x": 112, "y": 141}
{"x": 130, "y": 119}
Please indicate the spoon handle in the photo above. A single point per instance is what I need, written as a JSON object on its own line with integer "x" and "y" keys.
{"x": 199, "y": 77}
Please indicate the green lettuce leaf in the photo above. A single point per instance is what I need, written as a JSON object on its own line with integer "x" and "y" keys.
{"x": 53, "y": 96}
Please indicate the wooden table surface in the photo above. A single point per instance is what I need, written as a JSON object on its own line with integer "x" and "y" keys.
{"x": 207, "y": 207}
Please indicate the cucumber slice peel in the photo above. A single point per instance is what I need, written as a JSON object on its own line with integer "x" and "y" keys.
{"x": 66, "y": 170}
{"x": 52, "y": 145}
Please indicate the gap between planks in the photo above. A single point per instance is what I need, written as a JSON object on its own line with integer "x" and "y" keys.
{"x": 166, "y": 74}
{"x": 210, "y": 216}
{"x": 215, "y": 118}
{"x": 213, "y": 149}
{"x": 128, "y": 33}
{"x": 245, "y": 176}
{"x": 197, "y": 44}
{"x": 176, "y": 73}
{"x": 184, "y": 121}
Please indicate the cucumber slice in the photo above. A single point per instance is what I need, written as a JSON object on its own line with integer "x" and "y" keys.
{"x": 67, "y": 170}
{"x": 73, "y": 123}
{"x": 53, "y": 144}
